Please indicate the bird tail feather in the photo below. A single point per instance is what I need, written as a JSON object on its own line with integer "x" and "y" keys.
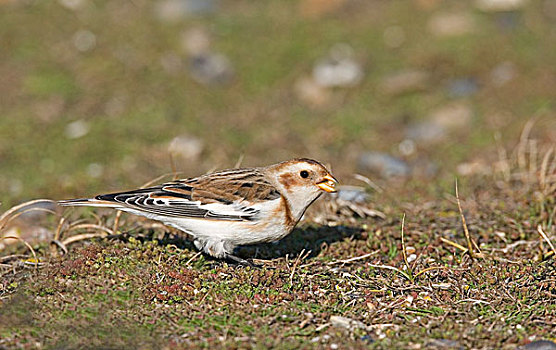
{"x": 87, "y": 202}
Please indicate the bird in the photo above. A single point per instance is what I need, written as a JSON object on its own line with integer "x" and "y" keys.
{"x": 229, "y": 208}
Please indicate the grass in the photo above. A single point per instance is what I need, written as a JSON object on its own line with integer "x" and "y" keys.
{"x": 150, "y": 288}
{"x": 94, "y": 279}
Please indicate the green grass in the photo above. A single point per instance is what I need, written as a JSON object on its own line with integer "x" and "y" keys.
{"x": 140, "y": 290}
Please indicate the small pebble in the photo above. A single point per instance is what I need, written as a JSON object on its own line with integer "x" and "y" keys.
{"x": 443, "y": 344}
{"x": 312, "y": 94}
{"x": 84, "y": 40}
{"x": 462, "y": 87}
{"x": 500, "y": 5}
{"x": 346, "y": 322}
{"x": 451, "y": 24}
{"x": 452, "y": 116}
{"x": 72, "y": 4}
{"x": 539, "y": 345}
{"x": 95, "y": 170}
{"x": 211, "y": 69}
{"x": 195, "y": 41}
{"x": 383, "y": 164}
{"x": 426, "y": 133}
{"x": 77, "y": 129}
{"x": 354, "y": 194}
{"x": 339, "y": 69}
{"x": 175, "y": 10}
{"x": 503, "y": 73}
{"x": 187, "y": 147}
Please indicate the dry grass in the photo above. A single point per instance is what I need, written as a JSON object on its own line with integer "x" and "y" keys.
{"x": 352, "y": 278}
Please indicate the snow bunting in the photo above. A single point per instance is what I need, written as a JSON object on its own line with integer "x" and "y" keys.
{"x": 228, "y": 208}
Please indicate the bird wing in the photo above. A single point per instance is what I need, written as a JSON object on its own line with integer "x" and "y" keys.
{"x": 229, "y": 195}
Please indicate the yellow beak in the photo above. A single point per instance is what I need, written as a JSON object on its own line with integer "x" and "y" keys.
{"x": 328, "y": 184}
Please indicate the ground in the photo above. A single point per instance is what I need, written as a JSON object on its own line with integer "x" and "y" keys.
{"x": 94, "y": 94}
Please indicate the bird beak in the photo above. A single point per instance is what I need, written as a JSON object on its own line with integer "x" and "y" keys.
{"x": 328, "y": 184}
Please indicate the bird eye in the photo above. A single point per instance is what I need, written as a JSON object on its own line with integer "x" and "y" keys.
{"x": 304, "y": 174}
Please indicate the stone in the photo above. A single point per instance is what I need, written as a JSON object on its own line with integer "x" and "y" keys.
{"x": 426, "y": 132}
{"x": 95, "y": 170}
{"x": 500, "y": 5}
{"x": 77, "y": 129}
{"x": 451, "y": 24}
{"x": 452, "y": 116}
{"x": 355, "y": 194}
{"x": 462, "y": 87}
{"x": 312, "y": 94}
{"x": 195, "y": 41}
{"x": 383, "y": 164}
{"x": 175, "y": 10}
{"x": 424, "y": 168}
{"x": 443, "y": 344}
{"x": 473, "y": 168}
{"x": 211, "y": 69}
{"x": 407, "y": 147}
{"x": 441, "y": 121}
{"x": 347, "y": 323}
{"x": 539, "y": 345}
{"x": 187, "y": 147}
{"x": 72, "y": 4}
{"x": 84, "y": 40}
{"x": 339, "y": 69}
{"x": 503, "y": 73}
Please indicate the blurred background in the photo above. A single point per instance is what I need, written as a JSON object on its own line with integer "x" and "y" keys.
{"x": 99, "y": 96}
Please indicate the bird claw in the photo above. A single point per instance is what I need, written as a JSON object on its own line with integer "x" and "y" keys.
{"x": 241, "y": 261}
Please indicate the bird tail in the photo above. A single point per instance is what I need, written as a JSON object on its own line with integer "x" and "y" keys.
{"x": 87, "y": 202}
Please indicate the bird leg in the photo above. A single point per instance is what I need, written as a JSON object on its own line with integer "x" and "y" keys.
{"x": 241, "y": 261}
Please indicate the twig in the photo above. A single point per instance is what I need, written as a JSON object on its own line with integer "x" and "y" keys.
{"x": 454, "y": 244}
{"x": 116, "y": 221}
{"x": 239, "y": 160}
{"x": 158, "y": 178}
{"x": 300, "y": 257}
{"x": 522, "y": 146}
{"x": 61, "y": 245}
{"x": 429, "y": 269}
{"x": 545, "y": 237}
{"x": 26, "y": 244}
{"x": 368, "y": 182}
{"x": 544, "y": 168}
{"x": 347, "y": 261}
{"x": 465, "y": 229}
{"x": 7, "y": 216}
{"x": 193, "y": 258}
{"x": 391, "y": 268}
{"x": 59, "y": 229}
{"x": 81, "y": 237}
{"x": 511, "y": 246}
{"x": 173, "y": 166}
{"x": 503, "y": 157}
{"x": 91, "y": 227}
{"x": 533, "y": 157}
{"x": 475, "y": 301}
{"x": 404, "y": 252}
{"x": 13, "y": 256}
